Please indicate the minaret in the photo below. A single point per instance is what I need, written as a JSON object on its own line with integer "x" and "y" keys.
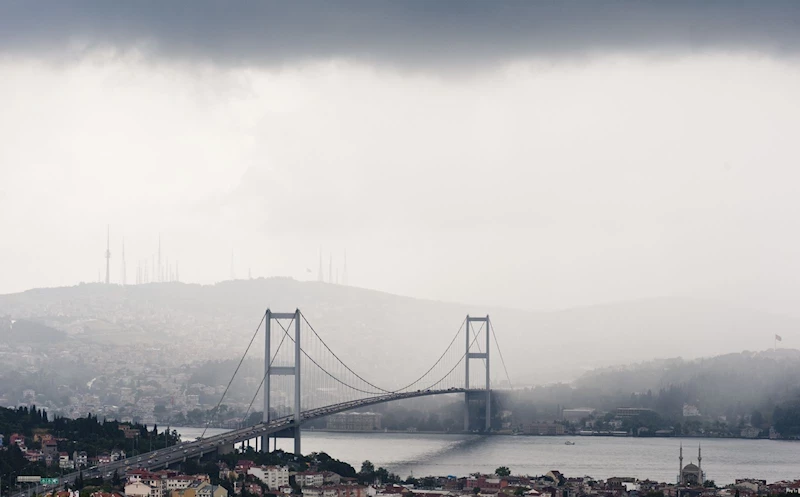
{"x": 177, "y": 274}
{"x": 124, "y": 276}
{"x": 233, "y": 273}
{"x": 108, "y": 254}
{"x": 330, "y": 269}
{"x": 680, "y": 466}
{"x": 700, "y": 464}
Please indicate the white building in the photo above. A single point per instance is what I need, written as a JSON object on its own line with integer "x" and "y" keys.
{"x": 138, "y": 489}
{"x": 177, "y": 483}
{"x": 273, "y": 476}
{"x": 64, "y": 462}
{"x": 80, "y": 458}
{"x": 690, "y": 411}
{"x": 320, "y": 492}
{"x": 309, "y": 479}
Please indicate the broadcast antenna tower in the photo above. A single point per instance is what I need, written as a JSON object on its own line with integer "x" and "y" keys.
{"x": 124, "y": 276}
{"x": 108, "y": 254}
{"x": 320, "y": 277}
{"x": 344, "y": 272}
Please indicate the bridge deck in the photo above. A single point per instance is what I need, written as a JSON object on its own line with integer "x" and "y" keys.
{"x": 197, "y": 448}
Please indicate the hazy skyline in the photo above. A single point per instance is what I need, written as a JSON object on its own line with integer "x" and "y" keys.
{"x": 508, "y": 153}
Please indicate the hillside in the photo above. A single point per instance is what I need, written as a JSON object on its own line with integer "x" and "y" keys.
{"x": 386, "y": 336}
{"x": 716, "y": 385}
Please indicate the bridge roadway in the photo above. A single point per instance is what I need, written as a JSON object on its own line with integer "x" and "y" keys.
{"x": 197, "y": 448}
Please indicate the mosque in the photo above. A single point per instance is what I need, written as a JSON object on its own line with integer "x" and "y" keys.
{"x": 690, "y": 474}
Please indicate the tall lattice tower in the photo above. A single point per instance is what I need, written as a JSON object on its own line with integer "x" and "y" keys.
{"x": 124, "y": 269}
{"x": 344, "y": 271}
{"x": 320, "y": 276}
{"x": 108, "y": 254}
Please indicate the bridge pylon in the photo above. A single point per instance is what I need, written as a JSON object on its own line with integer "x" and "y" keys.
{"x": 270, "y": 370}
{"x": 472, "y": 394}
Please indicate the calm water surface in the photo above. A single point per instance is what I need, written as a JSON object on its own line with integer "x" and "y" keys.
{"x": 724, "y": 460}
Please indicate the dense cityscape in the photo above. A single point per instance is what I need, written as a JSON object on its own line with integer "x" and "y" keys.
{"x": 38, "y": 458}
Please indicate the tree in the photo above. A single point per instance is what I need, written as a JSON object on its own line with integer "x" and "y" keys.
{"x": 709, "y": 484}
{"x": 519, "y": 491}
{"x": 476, "y": 490}
{"x": 502, "y": 471}
{"x": 367, "y": 468}
{"x": 115, "y": 479}
{"x": 757, "y": 419}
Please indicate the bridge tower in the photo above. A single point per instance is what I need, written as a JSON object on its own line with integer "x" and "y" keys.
{"x": 476, "y": 394}
{"x": 270, "y": 370}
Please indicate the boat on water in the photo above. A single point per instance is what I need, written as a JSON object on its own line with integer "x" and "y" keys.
{"x": 569, "y": 443}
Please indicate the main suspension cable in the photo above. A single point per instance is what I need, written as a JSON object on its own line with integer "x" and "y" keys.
{"x": 491, "y": 326}
{"x": 456, "y": 365}
{"x": 234, "y": 373}
{"x": 375, "y": 386}
{"x": 263, "y": 378}
{"x": 332, "y": 376}
{"x": 338, "y": 359}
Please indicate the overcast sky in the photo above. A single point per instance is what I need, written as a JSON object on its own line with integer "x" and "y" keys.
{"x": 533, "y": 154}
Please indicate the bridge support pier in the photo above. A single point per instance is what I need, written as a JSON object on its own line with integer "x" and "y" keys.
{"x": 477, "y": 355}
{"x": 270, "y": 370}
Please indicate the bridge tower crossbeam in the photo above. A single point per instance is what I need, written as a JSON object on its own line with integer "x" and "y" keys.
{"x": 270, "y": 370}
{"x": 477, "y": 355}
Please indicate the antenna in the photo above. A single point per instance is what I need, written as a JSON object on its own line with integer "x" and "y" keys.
{"x": 108, "y": 254}
{"x": 320, "y": 277}
{"x": 344, "y": 271}
{"x": 160, "y": 272}
{"x": 124, "y": 276}
{"x": 330, "y": 269}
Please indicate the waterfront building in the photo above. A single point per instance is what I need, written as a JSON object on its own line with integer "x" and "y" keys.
{"x": 355, "y": 421}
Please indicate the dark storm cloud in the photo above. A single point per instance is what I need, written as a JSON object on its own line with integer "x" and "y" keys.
{"x": 414, "y": 32}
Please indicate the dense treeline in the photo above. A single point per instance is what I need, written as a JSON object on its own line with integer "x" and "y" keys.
{"x": 87, "y": 434}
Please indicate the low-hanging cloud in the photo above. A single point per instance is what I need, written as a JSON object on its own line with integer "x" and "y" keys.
{"x": 415, "y": 33}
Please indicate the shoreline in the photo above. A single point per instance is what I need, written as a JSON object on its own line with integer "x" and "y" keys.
{"x": 509, "y": 434}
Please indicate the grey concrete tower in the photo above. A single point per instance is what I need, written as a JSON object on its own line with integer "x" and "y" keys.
{"x": 485, "y": 357}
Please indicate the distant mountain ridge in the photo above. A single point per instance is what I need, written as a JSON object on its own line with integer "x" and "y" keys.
{"x": 386, "y": 335}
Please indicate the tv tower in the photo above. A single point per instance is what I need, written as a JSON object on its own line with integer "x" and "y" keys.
{"x": 160, "y": 272}
{"x": 108, "y": 254}
{"x": 124, "y": 276}
{"x": 320, "y": 276}
{"x": 344, "y": 270}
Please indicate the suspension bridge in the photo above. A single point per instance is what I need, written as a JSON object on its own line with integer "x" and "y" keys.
{"x": 304, "y": 379}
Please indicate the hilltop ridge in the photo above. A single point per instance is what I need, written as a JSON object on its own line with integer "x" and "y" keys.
{"x": 381, "y": 332}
